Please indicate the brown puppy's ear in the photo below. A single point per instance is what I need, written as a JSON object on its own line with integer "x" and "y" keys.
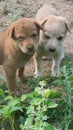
{"x": 11, "y": 33}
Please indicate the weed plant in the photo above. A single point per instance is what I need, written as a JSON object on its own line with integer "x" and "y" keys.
{"x": 48, "y": 107}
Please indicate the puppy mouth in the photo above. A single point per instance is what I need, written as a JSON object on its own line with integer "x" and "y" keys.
{"x": 30, "y": 52}
{"x": 52, "y": 50}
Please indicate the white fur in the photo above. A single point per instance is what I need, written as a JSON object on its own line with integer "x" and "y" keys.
{"x": 55, "y": 27}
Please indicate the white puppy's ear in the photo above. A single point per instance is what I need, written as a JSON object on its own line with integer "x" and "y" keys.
{"x": 68, "y": 25}
{"x": 44, "y": 21}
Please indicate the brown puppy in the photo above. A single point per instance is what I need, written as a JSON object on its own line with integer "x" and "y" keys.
{"x": 17, "y": 45}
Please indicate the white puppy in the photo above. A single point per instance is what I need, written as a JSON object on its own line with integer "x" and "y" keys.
{"x": 51, "y": 38}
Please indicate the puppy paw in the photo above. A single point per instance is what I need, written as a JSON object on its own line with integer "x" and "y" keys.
{"x": 17, "y": 92}
{"x": 62, "y": 56}
{"x": 23, "y": 79}
{"x": 55, "y": 73}
{"x": 36, "y": 75}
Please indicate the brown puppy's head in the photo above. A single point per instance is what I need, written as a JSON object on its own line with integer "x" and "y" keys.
{"x": 55, "y": 30}
{"x": 25, "y": 33}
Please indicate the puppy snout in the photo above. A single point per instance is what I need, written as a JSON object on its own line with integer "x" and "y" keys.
{"x": 52, "y": 49}
{"x": 31, "y": 47}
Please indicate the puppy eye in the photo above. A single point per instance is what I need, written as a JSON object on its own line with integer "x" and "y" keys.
{"x": 59, "y": 38}
{"x": 47, "y": 37}
{"x": 34, "y": 35}
{"x": 20, "y": 38}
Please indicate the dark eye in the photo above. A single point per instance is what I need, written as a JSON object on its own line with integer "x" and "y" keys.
{"x": 47, "y": 37}
{"x": 59, "y": 38}
{"x": 20, "y": 38}
{"x": 34, "y": 35}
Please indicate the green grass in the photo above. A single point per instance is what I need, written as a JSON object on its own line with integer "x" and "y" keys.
{"x": 48, "y": 107}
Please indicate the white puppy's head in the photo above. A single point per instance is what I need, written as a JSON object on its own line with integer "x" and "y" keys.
{"x": 55, "y": 30}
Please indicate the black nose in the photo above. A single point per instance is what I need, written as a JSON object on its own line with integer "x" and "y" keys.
{"x": 31, "y": 47}
{"x": 52, "y": 49}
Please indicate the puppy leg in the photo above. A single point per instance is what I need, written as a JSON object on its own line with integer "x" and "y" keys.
{"x": 21, "y": 74}
{"x": 62, "y": 56}
{"x": 37, "y": 65}
{"x": 11, "y": 77}
{"x": 56, "y": 66}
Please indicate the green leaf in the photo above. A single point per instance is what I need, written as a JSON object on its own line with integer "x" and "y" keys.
{"x": 71, "y": 77}
{"x": 36, "y": 101}
{"x": 23, "y": 97}
{"x": 48, "y": 126}
{"x": 2, "y": 93}
{"x": 21, "y": 126}
{"x": 42, "y": 83}
{"x": 5, "y": 111}
{"x": 29, "y": 95}
{"x": 52, "y": 104}
{"x": 8, "y": 98}
{"x": 15, "y": 108}
{"x": 46, "y": 93}
{"x": 30, "y": 110}
{"x": 1, "y": 111}
{"x": 52, "y": 93}
{"x": 29, "y": 121}
{"x": 38, "y": 91}
{"x": 58, "y": 82}
{"x": 38, "y": 124}
{"x": 13, "y": 103}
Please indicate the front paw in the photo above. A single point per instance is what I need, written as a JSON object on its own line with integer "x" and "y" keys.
{"x": 62, "y": 56}
{"x": 55, "y": 73}
{"x": 23, "y": 79}
{"x": 17, "y": 92}
{"x": 39, "y": 74}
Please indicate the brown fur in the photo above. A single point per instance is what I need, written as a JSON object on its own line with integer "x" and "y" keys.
{"x": 17, "y": 45}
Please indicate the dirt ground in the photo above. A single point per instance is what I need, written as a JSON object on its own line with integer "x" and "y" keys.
{"x": 10, "y": 10}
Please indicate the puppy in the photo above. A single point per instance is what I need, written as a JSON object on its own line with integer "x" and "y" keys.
{"x": 17, "y": 45}
{"x": 51, "y": 39}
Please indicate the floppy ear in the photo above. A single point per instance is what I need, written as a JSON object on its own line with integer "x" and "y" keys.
{"x": 68, "y": 25}
{"x": 12, "y": 33}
